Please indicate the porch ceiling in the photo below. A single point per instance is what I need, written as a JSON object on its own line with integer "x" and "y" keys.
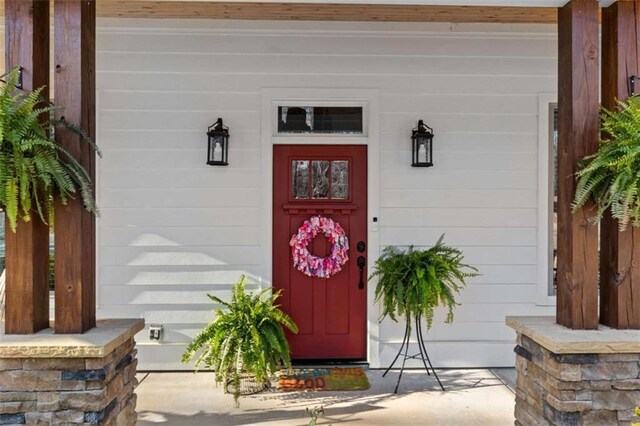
{"x": 499, "y": 11}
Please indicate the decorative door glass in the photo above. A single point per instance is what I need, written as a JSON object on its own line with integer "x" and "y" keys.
{"x": 340, "y": 180}
{"x": 320, "y": 179}
{"x": 300, "y": 179}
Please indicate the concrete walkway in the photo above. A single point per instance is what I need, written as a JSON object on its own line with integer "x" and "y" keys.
{"x": 477, "y": 397}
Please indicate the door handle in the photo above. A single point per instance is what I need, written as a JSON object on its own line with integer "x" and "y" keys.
{"x": 361, "y": 262}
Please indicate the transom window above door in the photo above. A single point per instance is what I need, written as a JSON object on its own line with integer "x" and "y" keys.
{"x": 320, "y": 179}
{"x": 321, "y": 120}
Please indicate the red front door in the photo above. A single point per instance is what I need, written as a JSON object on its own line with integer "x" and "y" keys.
{"x": 329, "y": 181}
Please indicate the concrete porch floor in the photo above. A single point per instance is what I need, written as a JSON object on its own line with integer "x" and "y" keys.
{"x": 477, "y": 396}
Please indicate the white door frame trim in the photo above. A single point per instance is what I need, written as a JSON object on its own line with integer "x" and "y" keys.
{"x": 369, "y": 98}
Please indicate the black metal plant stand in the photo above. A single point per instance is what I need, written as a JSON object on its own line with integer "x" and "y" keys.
{"x": 422, "y": 355}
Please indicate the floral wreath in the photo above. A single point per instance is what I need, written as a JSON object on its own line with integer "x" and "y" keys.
{"x": 314, "y": 266}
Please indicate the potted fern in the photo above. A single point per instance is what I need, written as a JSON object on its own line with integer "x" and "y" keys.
{"x": 414, "y": 283}
{"x": 245, "y": 338}
{"x": 610, "y": 176}
{"x": 34, "y": 170}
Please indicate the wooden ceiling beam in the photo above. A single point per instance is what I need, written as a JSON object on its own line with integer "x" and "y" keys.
{"x": 321, "y": 11}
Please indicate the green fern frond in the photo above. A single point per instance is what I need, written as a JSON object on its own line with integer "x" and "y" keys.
{"x": 247, "y": 336}
{"x": 415, "y": 282}
{"x": 34, "y": 169}
{"x": 611, "y": 176}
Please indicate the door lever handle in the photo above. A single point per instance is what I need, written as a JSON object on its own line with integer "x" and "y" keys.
{"x": 361, "y": 262}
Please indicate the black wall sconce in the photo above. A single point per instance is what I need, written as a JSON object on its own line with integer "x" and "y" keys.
{"x": 422, "y": 145}
{"x": 218, "y": 153}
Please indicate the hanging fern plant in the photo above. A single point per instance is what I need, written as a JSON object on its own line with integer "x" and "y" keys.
{"x": 611, "y": 177}
{"x": 34, "y": 170}
{"x": 246, "y": 337}
{"x": 414, "y": 283}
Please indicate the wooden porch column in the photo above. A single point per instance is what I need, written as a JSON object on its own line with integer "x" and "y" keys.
{"x": 620, "y": 251}
{"x": 578, "y": 90}
{"x": 27, "y": 250}
{"x": 74, "y": 46}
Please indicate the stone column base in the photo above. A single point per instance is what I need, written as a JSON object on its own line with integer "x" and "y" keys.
{"x": 88, "y": 378}
{"x": 575, "y": 377}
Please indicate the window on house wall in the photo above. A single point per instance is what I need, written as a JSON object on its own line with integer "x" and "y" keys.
{"x": 547, "y": 211}
{"x": 300, "y": 119}
{"x": 553, "y": 204}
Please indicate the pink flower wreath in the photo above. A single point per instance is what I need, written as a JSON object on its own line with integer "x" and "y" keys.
{"x": 314, "y": 266}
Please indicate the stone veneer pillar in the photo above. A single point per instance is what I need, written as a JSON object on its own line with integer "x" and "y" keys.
{"x": 575, "y": 377}
{"x": 87, "y": 378}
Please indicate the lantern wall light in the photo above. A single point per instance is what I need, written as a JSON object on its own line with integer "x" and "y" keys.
{"x": 218, "y": 147}
{"x": 422, "y": 146}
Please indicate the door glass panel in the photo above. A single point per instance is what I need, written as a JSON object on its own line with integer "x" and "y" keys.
{"x": 300, "y": 179}
{"x": 320, "y": 178}
{"x": 340, "y": 180}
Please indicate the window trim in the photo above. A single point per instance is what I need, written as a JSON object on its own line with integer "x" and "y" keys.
{"x": 545, "y": 200}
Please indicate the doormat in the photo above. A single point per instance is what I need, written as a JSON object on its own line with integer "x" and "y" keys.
{"x": 323, "y": 379}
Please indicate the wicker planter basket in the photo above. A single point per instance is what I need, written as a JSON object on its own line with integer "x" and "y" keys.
{"x": 248, "y": 385}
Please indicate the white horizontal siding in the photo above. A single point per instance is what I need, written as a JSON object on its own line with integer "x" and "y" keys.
{"x": 354, "y": 63}
{"x": 477, "y": 217}
{"x": 168, "y": 275}
{"x": 458, "y": 198}
{"x": 173, "y": 229}
{"x": 204, "y": 275}
{"x": 462, "y": 179}
{"x": 503, "y": 161}
{"x": 183, "y": 178}
{"x": 211, "y": 255}
{"x": 177, "y": 237}
{"x": 129, "y": 217}
{"x": 459, "y": 236}
{"x": 175, "y": 198}
{"x": 231, "y": 82}
{"x": 335, "y": 44}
